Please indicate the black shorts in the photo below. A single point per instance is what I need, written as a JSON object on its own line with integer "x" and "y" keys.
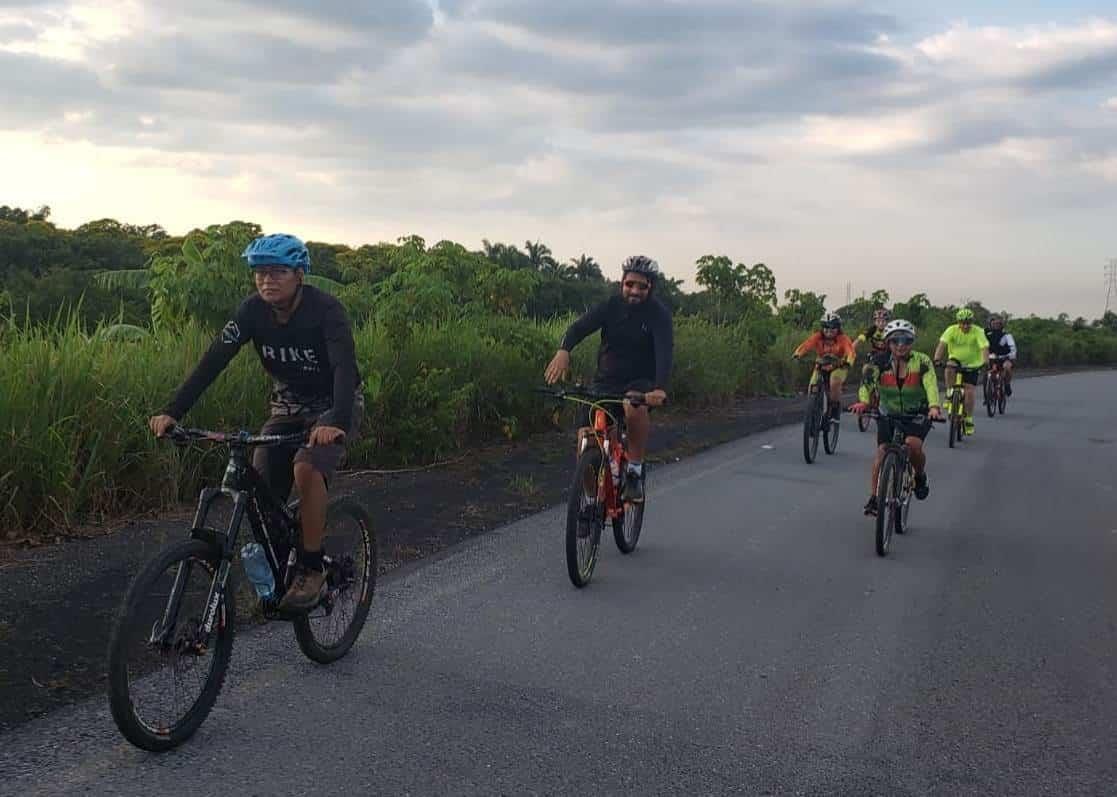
{"x": 885, "y": 425}
{"x": 277, "y": 464}
{"x": 618, "y": 388}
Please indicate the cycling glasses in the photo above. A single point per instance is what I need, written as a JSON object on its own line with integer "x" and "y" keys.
{"x": 902, "y": 340}
{"x": 637, "y": 285}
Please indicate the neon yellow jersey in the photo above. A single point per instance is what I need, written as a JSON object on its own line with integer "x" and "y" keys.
{"x": 964, "y": 348}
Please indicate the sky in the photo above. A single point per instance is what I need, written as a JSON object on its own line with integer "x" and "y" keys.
{"x": 964, "y": 150}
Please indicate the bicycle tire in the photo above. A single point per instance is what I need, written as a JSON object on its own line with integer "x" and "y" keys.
{"x": 830, "y": 435}
{"x": 863, "y": 421}
{"x": 628, "y": 525}
{"x": 581, "y": 559}
{"x": 990, "y": 396}
{"x": 906, "y": 495}
{"x": 810, "y": 428}
{"x": 954, "y": 433}
{"x": 887, "y": 491}
{"x": 312, "y": 647}
{"x": 121, "y": 699}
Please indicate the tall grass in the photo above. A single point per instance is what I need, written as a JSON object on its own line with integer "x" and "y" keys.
{"x": 74, "y": 445}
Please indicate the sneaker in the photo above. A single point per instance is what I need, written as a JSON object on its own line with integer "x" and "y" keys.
{"x": 921, "y": 488}
{"x": 968, "y": 427}
{"x": 836, "y": 412}
{"x": 305, "y": 591}
{"x": 633, "y": 492}
{"x": 872, "y": 507}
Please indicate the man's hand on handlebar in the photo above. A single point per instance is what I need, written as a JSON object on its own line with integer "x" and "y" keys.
{"x": 161, "y": 424}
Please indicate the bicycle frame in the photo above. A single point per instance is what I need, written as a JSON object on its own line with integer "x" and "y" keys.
{"x": 247, "y": 489}
{"x": 610, "y": 439}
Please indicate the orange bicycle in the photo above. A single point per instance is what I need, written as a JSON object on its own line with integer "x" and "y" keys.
{"x": 595, "y": 492}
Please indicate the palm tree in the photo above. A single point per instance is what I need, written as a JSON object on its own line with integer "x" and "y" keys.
{"x": 586, "y": 268}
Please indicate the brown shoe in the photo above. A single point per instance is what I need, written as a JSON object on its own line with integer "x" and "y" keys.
{"x": 305, "y": 591}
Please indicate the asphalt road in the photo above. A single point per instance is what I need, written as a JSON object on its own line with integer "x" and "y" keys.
{"x": 753, "y": 644}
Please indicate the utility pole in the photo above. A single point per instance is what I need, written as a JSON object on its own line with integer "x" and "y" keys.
{"x": 849, "y": 293}
{"x": 1110, "y": 282}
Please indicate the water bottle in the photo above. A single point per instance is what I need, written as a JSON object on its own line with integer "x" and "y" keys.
{"x": 259, "y": 571}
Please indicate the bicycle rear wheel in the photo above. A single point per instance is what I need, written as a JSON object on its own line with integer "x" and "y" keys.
{"x": 327, "y": 632}
{"x": 888, "y": 488}
{"x": 628, "y": 524}
{"x": 811, "y": 424}
{"x": 165, "y": 669}
{"x": 585, "y": 515}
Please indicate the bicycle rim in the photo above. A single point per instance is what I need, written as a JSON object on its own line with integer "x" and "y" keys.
{"x": 581, "y": 550}
{"x": 810, "y": 428}
{"x": 830, "y": 437}
{"x": 906, "y": 495}
{"x": 886, "y": 497}
{"x": 326, "y": 633}
{"x": 165, "y": 670}
{"x": 627, "y": 526}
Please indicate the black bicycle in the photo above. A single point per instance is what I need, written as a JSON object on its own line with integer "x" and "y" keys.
{"x": 895, "y": 480}
{"x": 817, "y": 421}
{"x": 173, "y": 636}
{"x": 595, "y": 491}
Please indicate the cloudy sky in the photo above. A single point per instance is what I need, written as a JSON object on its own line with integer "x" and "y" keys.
{"x": 951, "y": 148}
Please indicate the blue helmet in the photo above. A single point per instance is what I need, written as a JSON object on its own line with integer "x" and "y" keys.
{"x": 278, "y": 249}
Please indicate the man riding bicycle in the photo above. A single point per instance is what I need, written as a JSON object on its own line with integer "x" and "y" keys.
{"x": 829, "y": 340}
{"x": 907, "y": 385}
{"x": 965, "y": 343}
{"x": 634, "y": 357}
{"x": 305, "y": 342}
{"x": 1002, "y": 346}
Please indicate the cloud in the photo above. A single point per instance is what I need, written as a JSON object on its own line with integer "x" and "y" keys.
{"x": 748, "y": 122}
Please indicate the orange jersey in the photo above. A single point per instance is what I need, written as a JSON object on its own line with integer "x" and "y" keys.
{"x": 839, "y": 346}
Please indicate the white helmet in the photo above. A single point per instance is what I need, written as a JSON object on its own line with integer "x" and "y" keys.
{"x": 831, "y": 321}
{"x": 899, "y": 325}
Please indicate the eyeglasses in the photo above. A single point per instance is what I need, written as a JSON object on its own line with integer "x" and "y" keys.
{"x": 276, "y": 273}
{"x": 902, "y": 340}
{"x": 637, "y": 285}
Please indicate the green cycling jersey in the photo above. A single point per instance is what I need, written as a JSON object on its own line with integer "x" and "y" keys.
{"x": 913, "y": 392}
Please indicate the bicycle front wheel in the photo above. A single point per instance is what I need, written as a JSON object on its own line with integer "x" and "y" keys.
{"x": 585, "y": 515}
{"x": 990, "y": 398}
{"x": 326, "y": 633}
{"x": 627, "y": 526}
{"x": 830, "y": 435}
{"x": 165, "y": 668}
{"x": 811, "y": 424}
{"x": 888, "y": 491}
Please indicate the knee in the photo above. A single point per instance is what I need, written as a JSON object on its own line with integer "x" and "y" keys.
{"x": 306, "y": 476}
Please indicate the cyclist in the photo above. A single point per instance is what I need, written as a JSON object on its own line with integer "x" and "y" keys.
{"x": 1002, "y": 346}
{"x": 305, "y": 342}
{"x": 966, "y": 343}
{"x": 830, "y": 340}
{"x": 907, "y": 385}
{"x": 874, "y": 336}
{"x": 634, "y": 357}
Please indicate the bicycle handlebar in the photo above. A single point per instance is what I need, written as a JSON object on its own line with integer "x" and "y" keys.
{"x": 957, "y": 366}
{"x": 579, "y": 392}
{"x": 184, "y": 434}
{"x": 902, "y": 417}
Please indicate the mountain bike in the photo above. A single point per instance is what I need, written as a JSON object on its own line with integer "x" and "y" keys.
{"x": 817, "y": 421}
{"x": 173, "y": 635}
{"x": 955, "y": 405}
{"x": 895, "y": 481}
{"x": 994, "y": 394}
{"x": 595, "y": 491}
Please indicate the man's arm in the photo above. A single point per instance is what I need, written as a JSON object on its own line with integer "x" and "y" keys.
{"x": 810, "y": 344}
{"x": 931, "y": 386}
{"x": 220, "y": 353}
{"x": 940, "y": 350}
{"x": 1011, "y": 343}
{"x": 343, "y": 359}
{"x": 586, "y": 325}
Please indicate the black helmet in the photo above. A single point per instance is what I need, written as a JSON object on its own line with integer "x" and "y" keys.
{"x": 641, "y": 264}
